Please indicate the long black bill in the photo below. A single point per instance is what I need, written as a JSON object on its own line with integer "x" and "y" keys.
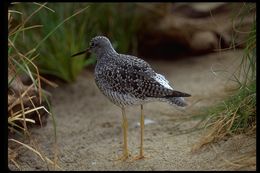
{"x": 80, "y": 53}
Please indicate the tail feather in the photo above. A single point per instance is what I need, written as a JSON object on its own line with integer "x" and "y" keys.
{"x": 179, "y": 101}
{"x": 178, "y": 94}
{"x": 176, "y": 98}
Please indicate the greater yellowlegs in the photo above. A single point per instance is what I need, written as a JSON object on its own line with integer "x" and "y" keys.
{"x": 127, "y": 80}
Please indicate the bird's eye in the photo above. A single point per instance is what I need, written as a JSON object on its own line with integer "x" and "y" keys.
{"x": 92, "y": 44}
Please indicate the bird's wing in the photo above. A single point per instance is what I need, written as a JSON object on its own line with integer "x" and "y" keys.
{"x": 138, "y": 78}
{"x": 151, "y": 84}
{"x": 135, "y": 76}
{"x": 161, "y": 79}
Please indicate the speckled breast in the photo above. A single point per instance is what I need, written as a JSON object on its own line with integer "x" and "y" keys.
{"x": 117, "y": 98}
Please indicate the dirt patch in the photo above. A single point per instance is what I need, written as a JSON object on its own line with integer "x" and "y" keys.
{"x": 89, "y": 126}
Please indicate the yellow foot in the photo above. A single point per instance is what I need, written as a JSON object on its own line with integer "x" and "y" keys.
{"x": 139, "y": 157}
{"x": 124, "y": 157}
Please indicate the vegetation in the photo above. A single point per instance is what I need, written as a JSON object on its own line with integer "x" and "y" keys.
{"x": 71, "y": 37}
{"x": 25, "y": 103}
{"x": 237, "y": 114}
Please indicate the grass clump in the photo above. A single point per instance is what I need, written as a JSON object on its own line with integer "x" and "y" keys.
{"x": 71, "y": 37}
{"x": 27, "y": 104}
{"x": 237, "y": 114}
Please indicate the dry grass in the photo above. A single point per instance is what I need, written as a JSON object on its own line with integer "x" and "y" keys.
{"x": 25, "y": 103}
{"x": 236, "y": 114}
{"x": 247, "y": 160}
{"x": 19, "y": 95}
{"x": 233, "y": 116}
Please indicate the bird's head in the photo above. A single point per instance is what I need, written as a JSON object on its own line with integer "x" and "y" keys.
{"x": 98, "y": 45}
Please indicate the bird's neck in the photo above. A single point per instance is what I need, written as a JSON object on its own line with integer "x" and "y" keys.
{"x": 105, "y": 53}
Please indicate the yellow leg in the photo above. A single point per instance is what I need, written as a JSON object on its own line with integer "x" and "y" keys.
{"x": 141, "y": 155}
{"x": 125, "y": 127}
{"x": 142, "y": 133}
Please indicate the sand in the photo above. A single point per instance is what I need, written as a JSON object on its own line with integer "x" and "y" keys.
{"x": 89, "y": 134}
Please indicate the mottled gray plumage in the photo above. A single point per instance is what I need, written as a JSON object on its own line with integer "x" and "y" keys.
{"x": 128, "y": 80}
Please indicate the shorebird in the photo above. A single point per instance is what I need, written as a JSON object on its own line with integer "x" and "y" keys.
{"x": 127, "y": 80}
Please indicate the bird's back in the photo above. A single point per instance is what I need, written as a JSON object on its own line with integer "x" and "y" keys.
{"x": 128, "y": 80}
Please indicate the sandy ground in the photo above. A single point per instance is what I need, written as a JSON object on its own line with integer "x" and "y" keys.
{"x": 89, "y": 126}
